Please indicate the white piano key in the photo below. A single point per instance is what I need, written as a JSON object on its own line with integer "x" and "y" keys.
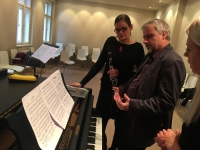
{"x": 98, "y": 134}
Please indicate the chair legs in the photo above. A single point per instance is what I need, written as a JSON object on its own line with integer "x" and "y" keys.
{"x": 65, "y": 65}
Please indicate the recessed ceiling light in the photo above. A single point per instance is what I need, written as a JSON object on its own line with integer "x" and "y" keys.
{"x": 150, "y": 7}
{"x": 159, "y": 0}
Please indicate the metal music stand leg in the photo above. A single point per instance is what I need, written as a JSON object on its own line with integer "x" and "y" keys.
{"x": 41, "y": 69}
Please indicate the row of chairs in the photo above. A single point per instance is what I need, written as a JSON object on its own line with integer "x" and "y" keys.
{"x": 81, "y": 56}
{"x": 84, "y": 51}
{"x": 7, "y": 63}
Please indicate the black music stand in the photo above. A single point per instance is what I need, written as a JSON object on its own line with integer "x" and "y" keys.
{"x": 33, "y": 62}
{"x": 36, "y": 62}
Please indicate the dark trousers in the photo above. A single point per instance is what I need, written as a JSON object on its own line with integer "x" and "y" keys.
{"x": 104, "y": 124}
{"x": 119, "y": 122}
{"x": 125, "y": 144}
{"x": 106, "y": 107}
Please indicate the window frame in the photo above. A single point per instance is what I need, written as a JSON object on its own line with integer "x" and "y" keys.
{"x": 47, "y": 17}
{"x": 23, "y": 23}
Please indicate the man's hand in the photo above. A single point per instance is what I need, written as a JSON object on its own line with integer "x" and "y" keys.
{"x": 76, "y": 84}
{"x": 122, "y": 103}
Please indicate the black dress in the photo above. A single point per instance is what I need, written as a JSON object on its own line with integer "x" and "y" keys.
{"x": 189, "y": 139}
{"x": 124, "y": 57}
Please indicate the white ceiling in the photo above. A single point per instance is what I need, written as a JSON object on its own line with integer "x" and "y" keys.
{"x": 142, "y": 4}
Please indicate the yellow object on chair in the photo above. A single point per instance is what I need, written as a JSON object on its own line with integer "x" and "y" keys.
{"x": 22, "y": 77}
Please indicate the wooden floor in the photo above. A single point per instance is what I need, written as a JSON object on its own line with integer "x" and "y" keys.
{"x": 75, "y": 75}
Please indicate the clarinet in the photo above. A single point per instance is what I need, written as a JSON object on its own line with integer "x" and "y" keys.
{"x": 114, "y": 79}
{"x": 114, "y": 84}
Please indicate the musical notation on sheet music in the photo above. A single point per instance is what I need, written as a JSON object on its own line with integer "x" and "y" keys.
{"x": 44, "y": 52}
{"x": 47, "y": 111}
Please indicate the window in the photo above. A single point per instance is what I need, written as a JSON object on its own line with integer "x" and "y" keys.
{"x": 47, "y": 22}
{"x": 23, "y": 22}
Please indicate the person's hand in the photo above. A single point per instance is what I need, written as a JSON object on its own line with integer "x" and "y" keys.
{"x": 160, "y": 140}
{"x": 167, "y": 139}
{"x": 113, "y": 73}
{"x": 76, "y": 84}
{"x": 171, "y": 139}
{"x": 122, "y": 103}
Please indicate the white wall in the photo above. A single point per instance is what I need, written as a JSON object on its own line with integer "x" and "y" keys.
{"x": 191, "y": 12}
{"x": 169, "y": 14}
{"x": 84, "y": 23}
{"x": 8, "y": 22}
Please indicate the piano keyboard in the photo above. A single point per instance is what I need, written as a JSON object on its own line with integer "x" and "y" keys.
{"x": 95, "y": 134}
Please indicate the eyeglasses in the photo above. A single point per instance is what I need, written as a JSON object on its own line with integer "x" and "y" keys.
{"x": 123, "y": 29}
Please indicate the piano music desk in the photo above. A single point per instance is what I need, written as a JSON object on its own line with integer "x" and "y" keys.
{"x": 11, "y": 93}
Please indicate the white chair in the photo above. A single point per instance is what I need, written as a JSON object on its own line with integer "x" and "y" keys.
{"x": 73, "y": 47}
{"x": 69, "y": 48}
{"x": 32, "y": 49}
{"x": 87, "y": 50}
{"x": 4, "y": 62}
{"x": 59, "y": 50}
{"x": 189, "y": 85}
{"x": 95, "y": 54}
{"x": 185, "y": 81}
{"x": 191, "y": 82}
{"x": 81, "y": 55}
{"x": 64, "y": 58}
{"x": 13, "y": 53}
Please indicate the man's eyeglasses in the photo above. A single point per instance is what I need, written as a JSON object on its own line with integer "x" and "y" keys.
{"x": 123, "y": 29}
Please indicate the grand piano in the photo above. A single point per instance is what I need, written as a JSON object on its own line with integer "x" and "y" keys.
{"x": 83, "y": 130}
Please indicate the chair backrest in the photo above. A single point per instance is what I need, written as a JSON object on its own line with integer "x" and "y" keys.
{"x": 60, "y": 46}
{"x": 59, "y": 49}
{"x": 64, "y": 56}
{"x": 191, "y": 82}
{"x": 13, "y": 53}
{"x": 69, "y": 48}
{"x": 32, "y": 49}
{"x": 81, "y": 55}
{"x": 4, "y": 60}
{"x": 86, "y": 48}
{"x": 186, "y": 78}
{"x": 95, "y": 54}
{"x": 73, "y": 47}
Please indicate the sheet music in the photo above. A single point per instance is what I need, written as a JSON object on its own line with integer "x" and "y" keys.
{"x": 46, "y": 132}
{"x": 44, "y": 52}
{"x": 48, "y": 109}
{"x": 65, "y": 98}
{"x": 52, "y": 99}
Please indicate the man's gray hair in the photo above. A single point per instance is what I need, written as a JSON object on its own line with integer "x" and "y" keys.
{"x": 160, "y": 26}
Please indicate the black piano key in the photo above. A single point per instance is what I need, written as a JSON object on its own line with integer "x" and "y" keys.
{"x": 90, "y": 146}
{"x": 91, "y": 140}
{"x": 93, "y": 119}
{"x": 93, "y": 124}
{"x": 91, "y": 134}
{"x": 92, "y": 128}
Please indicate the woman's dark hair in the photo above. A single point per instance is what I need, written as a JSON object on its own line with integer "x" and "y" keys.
{"x": 123, "y": 17}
